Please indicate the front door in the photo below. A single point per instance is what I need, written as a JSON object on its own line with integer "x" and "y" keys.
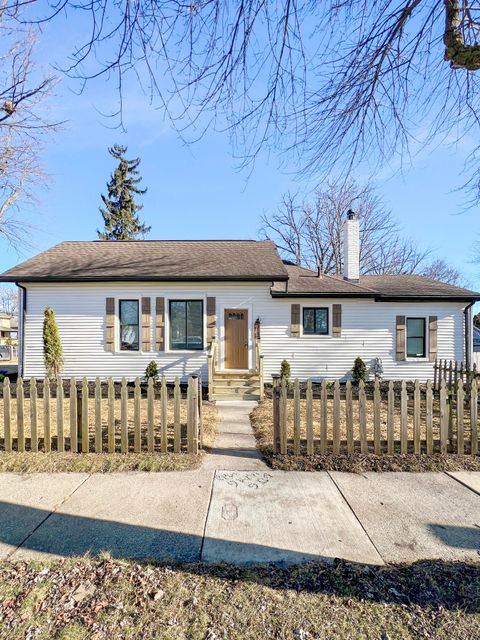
{"x": 236, "y": 339}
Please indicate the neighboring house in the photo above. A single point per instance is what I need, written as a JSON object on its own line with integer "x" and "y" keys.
{"x": 120, "y": 305}
{"x": 8, "y": 336}
{"x": 476, "y": 339}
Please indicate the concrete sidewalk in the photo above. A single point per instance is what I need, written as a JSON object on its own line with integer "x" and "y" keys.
{"x": 255, "y": 516}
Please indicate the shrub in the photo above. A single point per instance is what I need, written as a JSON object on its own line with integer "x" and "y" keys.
{"x": 52, "y": 346}
{"x": 359, "y": 371}
{"x": 285, "y": 371}
{"x": 152, "y": 371}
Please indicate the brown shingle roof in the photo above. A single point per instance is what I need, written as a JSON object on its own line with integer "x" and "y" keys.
{"x": 153, "y": 260}
{"x": 306, "y": 282}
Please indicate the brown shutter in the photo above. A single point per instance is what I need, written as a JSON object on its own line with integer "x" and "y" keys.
{"x": 400, "y": 351}
{"x": 110, "y": 324}
{"x": 146, "y": 341}
{"x": 295, "y": 326}
{"x": 211, "y": 320}
{"x": 160, "y": 324}
{"x": 337, "y": 320}
{"x": 432, "y": 338}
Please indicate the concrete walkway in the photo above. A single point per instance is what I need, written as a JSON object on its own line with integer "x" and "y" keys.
{"x": 235, "y": 446}
{"x": 235, "y": 509}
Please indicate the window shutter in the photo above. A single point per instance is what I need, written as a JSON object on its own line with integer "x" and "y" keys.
{"x": 337, "y": 320}
{"x": 211, "y": 320}
{"x": 295, "y": 325}
{"x": 110, "y": 324}
{"x": 432, "y": 338}
{"x": 160, "y": 324}
{"x": 146, "y": 341}
{"x": 400, "y": 352}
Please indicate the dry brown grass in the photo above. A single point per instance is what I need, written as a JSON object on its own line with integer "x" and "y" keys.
{"x": 103, "y": 461}
{"x": 262, "y": 422}
{"x": 80, "y": 599}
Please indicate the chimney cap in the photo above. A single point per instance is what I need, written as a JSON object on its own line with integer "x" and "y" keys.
{"x": 351, "y": 215}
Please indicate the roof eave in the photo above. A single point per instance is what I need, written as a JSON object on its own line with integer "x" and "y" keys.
{"x": 378, "y": 297}
{"x": 54, "y": 279}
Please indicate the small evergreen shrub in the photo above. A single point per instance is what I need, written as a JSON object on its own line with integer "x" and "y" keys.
{"x": 285, "y": 371}
{"x": 52, "y": 346}
{"x": 359, "y": 371}
{"x": 152, "y": 371}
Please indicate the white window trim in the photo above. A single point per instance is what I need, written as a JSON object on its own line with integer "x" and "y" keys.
{"x": 185, "y": 296}
{"x": 117, "y": 326}
{"x": 321, "y": 336}
{"x": 221, "y": 333}
{"x": 425, "y": 358}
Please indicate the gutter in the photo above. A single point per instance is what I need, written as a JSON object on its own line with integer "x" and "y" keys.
{"x": 468, "y": 334}
{"x": 21, "y": 321}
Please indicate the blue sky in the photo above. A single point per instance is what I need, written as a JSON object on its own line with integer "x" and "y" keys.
{"x": 197, "y": 191}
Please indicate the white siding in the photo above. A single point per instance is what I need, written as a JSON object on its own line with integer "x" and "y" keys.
{"x": 368, "y": 330}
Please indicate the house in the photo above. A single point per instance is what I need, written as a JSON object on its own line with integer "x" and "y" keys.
{"x": 8, "y": 336}
{"x": 232, "y": 311}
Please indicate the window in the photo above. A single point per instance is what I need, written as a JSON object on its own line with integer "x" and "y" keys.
{"x": 186, "y": 324}
{"x": 315, "y": 321}
{"x": 416, "y": 338}
{"x": 129, "y": 332}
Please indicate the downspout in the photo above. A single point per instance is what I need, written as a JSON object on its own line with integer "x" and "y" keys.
{"x": 21, "y": 320}
{"x": 468, "y": 335}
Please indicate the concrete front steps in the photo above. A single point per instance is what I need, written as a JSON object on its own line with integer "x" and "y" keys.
{"x": 236, "y": 386}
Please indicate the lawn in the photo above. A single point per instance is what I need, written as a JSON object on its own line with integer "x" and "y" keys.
{"x": 80, "y": 599}
{"x": 105, "y": 462}
{"x": 262, "y": 423}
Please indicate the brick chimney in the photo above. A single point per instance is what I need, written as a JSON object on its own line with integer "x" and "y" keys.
{"x": 351, "y": 248}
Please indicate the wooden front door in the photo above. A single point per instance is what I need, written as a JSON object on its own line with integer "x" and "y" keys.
{"x": 236, "y": 339}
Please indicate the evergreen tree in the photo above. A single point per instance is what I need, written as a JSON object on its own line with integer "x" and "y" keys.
{"x": 119, "y": 213}
{"x": 52, "y": 347}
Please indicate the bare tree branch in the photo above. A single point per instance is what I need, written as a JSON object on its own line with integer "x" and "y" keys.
{"x": 333, "y": 82}
{"x": 311, "y": 234}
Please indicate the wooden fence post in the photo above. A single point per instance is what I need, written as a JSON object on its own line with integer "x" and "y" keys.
{"x": 443, "y": 417}
{"x": 177, "y": 426}
{"x": 283, "y": 417}
{"x": 7, "y": 424}
{"x": 416, "y": 418}
{"x": 473, "y": 418}
{"x": 403, "y": 418}
{"x": 124, "y": 416}
{"x": 460, "y": 431}
{"x": 150, "y": 416}
{"x": 20, "y": 417}
{"x": 296, "y": 417}
{"x": 435, "y": 373}
{"x": 391, "y": 419}
{"x": 164, "y": 413}
{"x": 349, "y": 416}
{"x": 429, "y": 417}
{"x": 362, "y": 412}
{"x": 73, "y": 416}
{"x": 137, "y": 433}
{"x": 60, "y": 431}
{"x": 85, "y": 442}
{"x": 33, "y": 416}
{"x": 98, "y": 416}
{"x": 323, "y": 417}
{"x": 46, "y": 415}
{"x": 376, "y": 419}
{"x": 276, "y": 414}
{"x": 336, "y": 417}
{"x": 111, "y": 416}
{"x": 309, "y": 416}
